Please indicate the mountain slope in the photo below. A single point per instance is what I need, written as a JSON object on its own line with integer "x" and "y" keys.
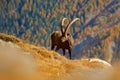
{"x": 20, "y": 60}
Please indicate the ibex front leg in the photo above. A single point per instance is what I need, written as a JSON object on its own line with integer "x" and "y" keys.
{"x": 70, "y": 52}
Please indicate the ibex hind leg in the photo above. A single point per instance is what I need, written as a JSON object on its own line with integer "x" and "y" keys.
{"x": 63, "y": 52}
{"x": 52, "y": 47}
{"x": 57, "y": 48}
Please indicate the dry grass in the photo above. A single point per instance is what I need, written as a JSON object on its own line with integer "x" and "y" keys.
{"x": 45, "y": 64}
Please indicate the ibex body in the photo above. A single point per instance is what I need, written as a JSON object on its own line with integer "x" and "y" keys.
{"x": 62, "y": 39}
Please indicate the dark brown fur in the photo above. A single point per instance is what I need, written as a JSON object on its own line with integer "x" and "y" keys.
{"x": 62, "y": 39}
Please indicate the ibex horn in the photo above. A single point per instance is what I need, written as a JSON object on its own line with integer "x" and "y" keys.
{"x": 74, "y": 20}
{"x": 63, "y": 20}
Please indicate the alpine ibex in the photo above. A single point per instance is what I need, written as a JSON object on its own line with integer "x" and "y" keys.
{"x": 62, "y": 39}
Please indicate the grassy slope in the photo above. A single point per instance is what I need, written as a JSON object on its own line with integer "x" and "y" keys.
{"x": 52, "y": 66}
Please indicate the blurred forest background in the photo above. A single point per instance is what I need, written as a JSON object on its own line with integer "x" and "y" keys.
{"x": 34, "y": 21}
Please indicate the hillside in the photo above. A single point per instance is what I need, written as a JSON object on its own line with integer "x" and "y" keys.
{"x": 20, "y": 60}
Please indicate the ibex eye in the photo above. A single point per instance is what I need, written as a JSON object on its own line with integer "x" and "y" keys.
{"x": 68, "y": 34}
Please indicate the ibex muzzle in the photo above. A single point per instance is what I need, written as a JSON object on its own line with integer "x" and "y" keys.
{"x": 62, "y": 39}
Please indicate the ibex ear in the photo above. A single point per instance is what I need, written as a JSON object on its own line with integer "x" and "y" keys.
{"x": 62, "y": 24}
{"x": 74, "y": 20}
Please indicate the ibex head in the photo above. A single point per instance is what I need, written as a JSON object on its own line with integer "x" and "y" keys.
{"x": 65, "y": 31}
